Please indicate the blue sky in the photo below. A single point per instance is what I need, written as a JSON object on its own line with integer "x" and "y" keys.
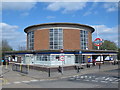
{"x": 103, "y": 16}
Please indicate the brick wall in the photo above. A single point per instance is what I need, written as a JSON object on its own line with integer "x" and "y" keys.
{"x": 41, "y": 39}
{"x": 71, "y": 39}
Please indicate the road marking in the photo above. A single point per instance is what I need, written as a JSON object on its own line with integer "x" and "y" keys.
{"x": 117, "y": 80}
{"x": 77, "y": 77}
{"x": 94, "y": 80}
{"x": 81, "y": 77}
{"x": 25, "y": 81}
{"x": 86, "y": 80}
{"x": 107, "y": 78}
{"x": 8, "y": 83}
{"x": 103, "y": 77}
{"x": 104, "y": 81}
{"x": 90, "y": 77}
{"x": 110, "y": 80}
{"x": 33, "y": 80}
{"x": 16, "y": 82}
{"x": 114, "y": 82}
{"x": 72, "y": 78}
{"x": 41, "y": 80}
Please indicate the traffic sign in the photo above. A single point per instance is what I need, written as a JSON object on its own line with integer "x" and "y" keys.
{"x": 98, "y": 42}
{"x": 62, "y": 58}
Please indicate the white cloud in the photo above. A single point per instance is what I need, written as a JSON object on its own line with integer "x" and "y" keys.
{"x": 18, "y": 5}
{"x": 66, "y": 6}
{"x": 50, "y": 17}
{"x": 90, "y": 10}
{"x": 62, "y": 0}
{"x": 25, "y": 14}
{"x": 106, "y": 33}
{"x": 111, "y": 6}
{"x": 12, "y": 34}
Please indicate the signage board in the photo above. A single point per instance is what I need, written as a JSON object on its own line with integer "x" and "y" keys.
{"x": 62, "y": 58}
{"x": 98, "y": 42}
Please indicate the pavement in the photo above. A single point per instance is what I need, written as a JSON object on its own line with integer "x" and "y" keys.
{"x": 12, "y": 78}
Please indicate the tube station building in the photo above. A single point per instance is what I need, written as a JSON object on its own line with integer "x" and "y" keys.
{"x": 54, "y": 44}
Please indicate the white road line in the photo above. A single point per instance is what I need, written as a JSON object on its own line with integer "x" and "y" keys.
{"x": 97, "y": 78}
{"x": 16, "y": 82}
{"x": 25, "y": 81}
{"x": 117, "y": 80}
{"x": 81, "y": 77}
{"x": 104, "y": 81}
{"x": 110, "y": 80}
{"x": 103, "y": 77}
{"x": 34, "y": 80}
{"x": 114, "y": 82}
{"x": 7, "y": 83}
{"x": 94, "y": 81}
{"x": 86, "y": 80}
{"x": 107, "y": 78}
{"x": 41, "y": 80}
{"x": 78, "y": 79}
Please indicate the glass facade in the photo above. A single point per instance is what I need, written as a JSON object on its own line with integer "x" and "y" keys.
{"x": 84, "y": 39}
{"x": 56, "y": 38}
{"x": 43, "y": 57}
{"x": 30, "y": 40}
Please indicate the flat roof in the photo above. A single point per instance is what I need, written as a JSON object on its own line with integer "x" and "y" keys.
{"x": 53, "y": 51}
{"x": 55, "y": 24}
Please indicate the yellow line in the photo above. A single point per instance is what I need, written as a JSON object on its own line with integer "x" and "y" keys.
{"x": 4, "y": 81}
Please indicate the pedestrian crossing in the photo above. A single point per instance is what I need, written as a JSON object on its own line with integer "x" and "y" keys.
{"x": 95, "y": 79}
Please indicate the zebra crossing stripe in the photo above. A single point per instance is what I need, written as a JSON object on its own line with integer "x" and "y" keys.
{"x": 16, "y": 82}
{"x": 104, "y": 81}
{"x": 33, "y": 80}
{"x": 94, "y": 81}
{"x": 25, "y": 81}
{"x": 86, "y": 80}
{"x": 81, "y": 77}
{"x": 114, "y": 82}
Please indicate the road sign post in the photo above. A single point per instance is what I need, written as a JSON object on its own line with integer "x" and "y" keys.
{"x": 62, "y": 59}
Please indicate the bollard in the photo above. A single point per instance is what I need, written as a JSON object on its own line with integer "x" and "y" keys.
{"x": 99, "y": 66}
{"x": 28, "y": 68}
{"x": 6, "y": 64}
{"x": 78, "y": 68}
{"x": 20, "y": 67}
{"x": 48, "y": 72}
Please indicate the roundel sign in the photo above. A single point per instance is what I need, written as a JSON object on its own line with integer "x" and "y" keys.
{"x": 98, "y": 42}
{"x": 62, "y": 58}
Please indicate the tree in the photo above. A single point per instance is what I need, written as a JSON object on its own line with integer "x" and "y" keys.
{"x": 6, "y": 46}
{"x": 107, "y": 45}
{"x": 21, "y": 48}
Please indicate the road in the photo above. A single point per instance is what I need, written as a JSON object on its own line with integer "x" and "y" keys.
{"x": 102, "y": 79}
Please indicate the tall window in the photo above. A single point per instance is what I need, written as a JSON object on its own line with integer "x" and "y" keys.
{"x": 56, "y": 38}
{"x": 84, "y": 39}
{"x": 31, "y": 40}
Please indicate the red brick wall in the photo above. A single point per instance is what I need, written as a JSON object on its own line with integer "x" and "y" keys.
{"x": 71, "y": 39}
{"x": 41, "y": 39}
